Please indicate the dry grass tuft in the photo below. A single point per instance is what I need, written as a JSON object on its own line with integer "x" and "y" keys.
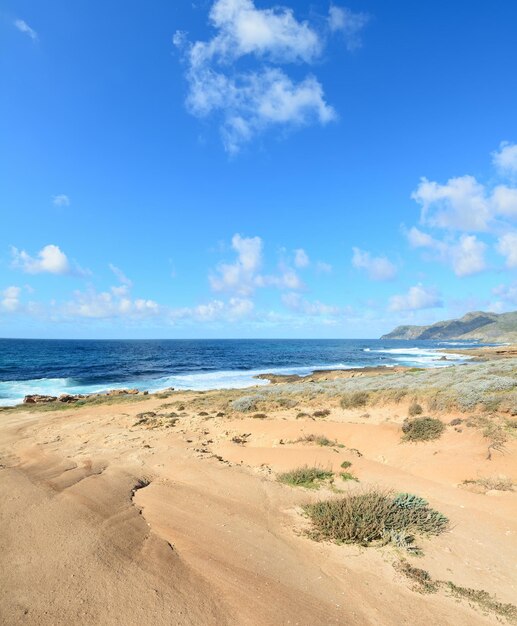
{"x": 305, "y": 476}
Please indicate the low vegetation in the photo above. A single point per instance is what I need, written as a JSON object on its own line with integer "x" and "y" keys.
{"x": 415, "y": 409}
{"x": 321, "y": 413}
{"x": 375, "y": 517}
{"x": 423, "y": 583}
{"x": 305, "y": 476}
{"x": 494, "y": 483}
{"x": 349, "y": 476}
{"x": 484, "y": 601}
{"x": 422, "y": 429}
{"x": 354, "y": 400}
{"x": 319, "y": 440}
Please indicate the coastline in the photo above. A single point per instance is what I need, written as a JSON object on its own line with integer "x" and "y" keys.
{"x": 177, "y": 511}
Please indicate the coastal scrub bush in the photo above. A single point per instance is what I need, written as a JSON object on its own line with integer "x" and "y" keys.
{"x": 346, "y": 464}
{"x": 495, "y": 483}
{"x": 349, "y": 476}
{"x": 322, "y": 413}
{"x": 287, "y": 403}
{"x": 354, "y": 400}
{"x": 305, "y": 476}
{"x": 422, "y": 429}
{"x": 373, "y": 517}
{"x": 244, "y": 404}
{"x": 423, "y": 583}
{"x": 320, "y": 440}
{"x": 415, "y": 409}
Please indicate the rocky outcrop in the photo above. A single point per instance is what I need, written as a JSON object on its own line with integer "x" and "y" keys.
{"x": 70, "y": 398}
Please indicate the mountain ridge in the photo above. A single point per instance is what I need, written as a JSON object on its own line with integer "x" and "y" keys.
{"x": 476, "y": 325}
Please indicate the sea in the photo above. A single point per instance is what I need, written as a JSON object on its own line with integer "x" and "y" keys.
{"x": 53, "y": 367}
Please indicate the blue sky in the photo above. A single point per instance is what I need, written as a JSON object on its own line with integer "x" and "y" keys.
{"x": 233, "y": 168}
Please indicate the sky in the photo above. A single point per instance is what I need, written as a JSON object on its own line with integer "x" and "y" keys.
{"x": 241, "y": 168}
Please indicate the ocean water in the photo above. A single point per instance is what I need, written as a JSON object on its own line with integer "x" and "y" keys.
{"x": 53, "y": 367}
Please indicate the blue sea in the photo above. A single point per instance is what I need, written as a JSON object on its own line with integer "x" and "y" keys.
{"x": 53, "y": 367}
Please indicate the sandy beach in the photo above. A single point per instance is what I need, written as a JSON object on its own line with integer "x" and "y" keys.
{"x": 166, "y": 508}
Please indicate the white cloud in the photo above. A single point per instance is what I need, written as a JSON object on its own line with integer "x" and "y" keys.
{"x": 252, "y": 100}
{"x": 507, "y": 246}
{"x": 323, "y": 268}
{"x": 49, "y": 259}
{"x": 504, "y": 201}
{"x": 466, "y": 254}
{"x": 417, "y": 297}
{"x": 301, "y": 258}
{"x": 10, "y": 300}
{"x": 244, "y": 29}
{"x": 109, "y": 304}
{"x": 61, "y": 200}
{"x": 123, "y": 279}
{"x": 350, "y": 24}
{"x": 214, "y": 310}
{"x": 505, "y": 159}
{"x": 460, "y": 204}
{"x": 23, "y": 27}
{"x": 295, "y": 302}
{"x": 377, "y": 268}
{"x": 243, "y": 276}
{"x": 507, "y": 294}
{"x": 240, "y": 276}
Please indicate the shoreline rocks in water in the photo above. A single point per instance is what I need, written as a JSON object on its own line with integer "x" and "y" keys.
{"x": 68, "y": 398}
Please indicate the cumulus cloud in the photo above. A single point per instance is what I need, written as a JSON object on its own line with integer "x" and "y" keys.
{"x": 505, "y": 159}
{"x": 24, "y": 28}
{"x": 507, "y": 246}
{"x": 377, "y": 268}
{"x": 252, "y": 100}
{"x": 243, "y": 276}
{"x": 460, "y": 204}
{"x": 468, "y": 256}
{"x": 214, "y": 310}
{"x": 348, "y": 23}
{"x": 465, "y": 254}
{"x": 417, "y": 297}
{"x": 301, "y": 258}
{"x": 295, "y": 302}
{"x": 109, "y": 304}
{"x": 50, "y": 259}
{"x": 10, "y": 300}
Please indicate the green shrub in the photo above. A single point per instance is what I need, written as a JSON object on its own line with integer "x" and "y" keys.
{"x": 354, "y": 399}
{"x": 415, "y": 409}
{"x": 422, "y": 429}
{"x": 373, "y": 517}
{"x": 348, "y": 476}
{"x": 305, "y": 476}
{"x": 346, "y": 464}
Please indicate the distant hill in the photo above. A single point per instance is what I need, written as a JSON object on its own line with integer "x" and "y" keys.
{"x": 487, "y": 327}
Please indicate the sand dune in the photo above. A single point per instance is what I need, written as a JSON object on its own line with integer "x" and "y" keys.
{"x": 105, "y": 522}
